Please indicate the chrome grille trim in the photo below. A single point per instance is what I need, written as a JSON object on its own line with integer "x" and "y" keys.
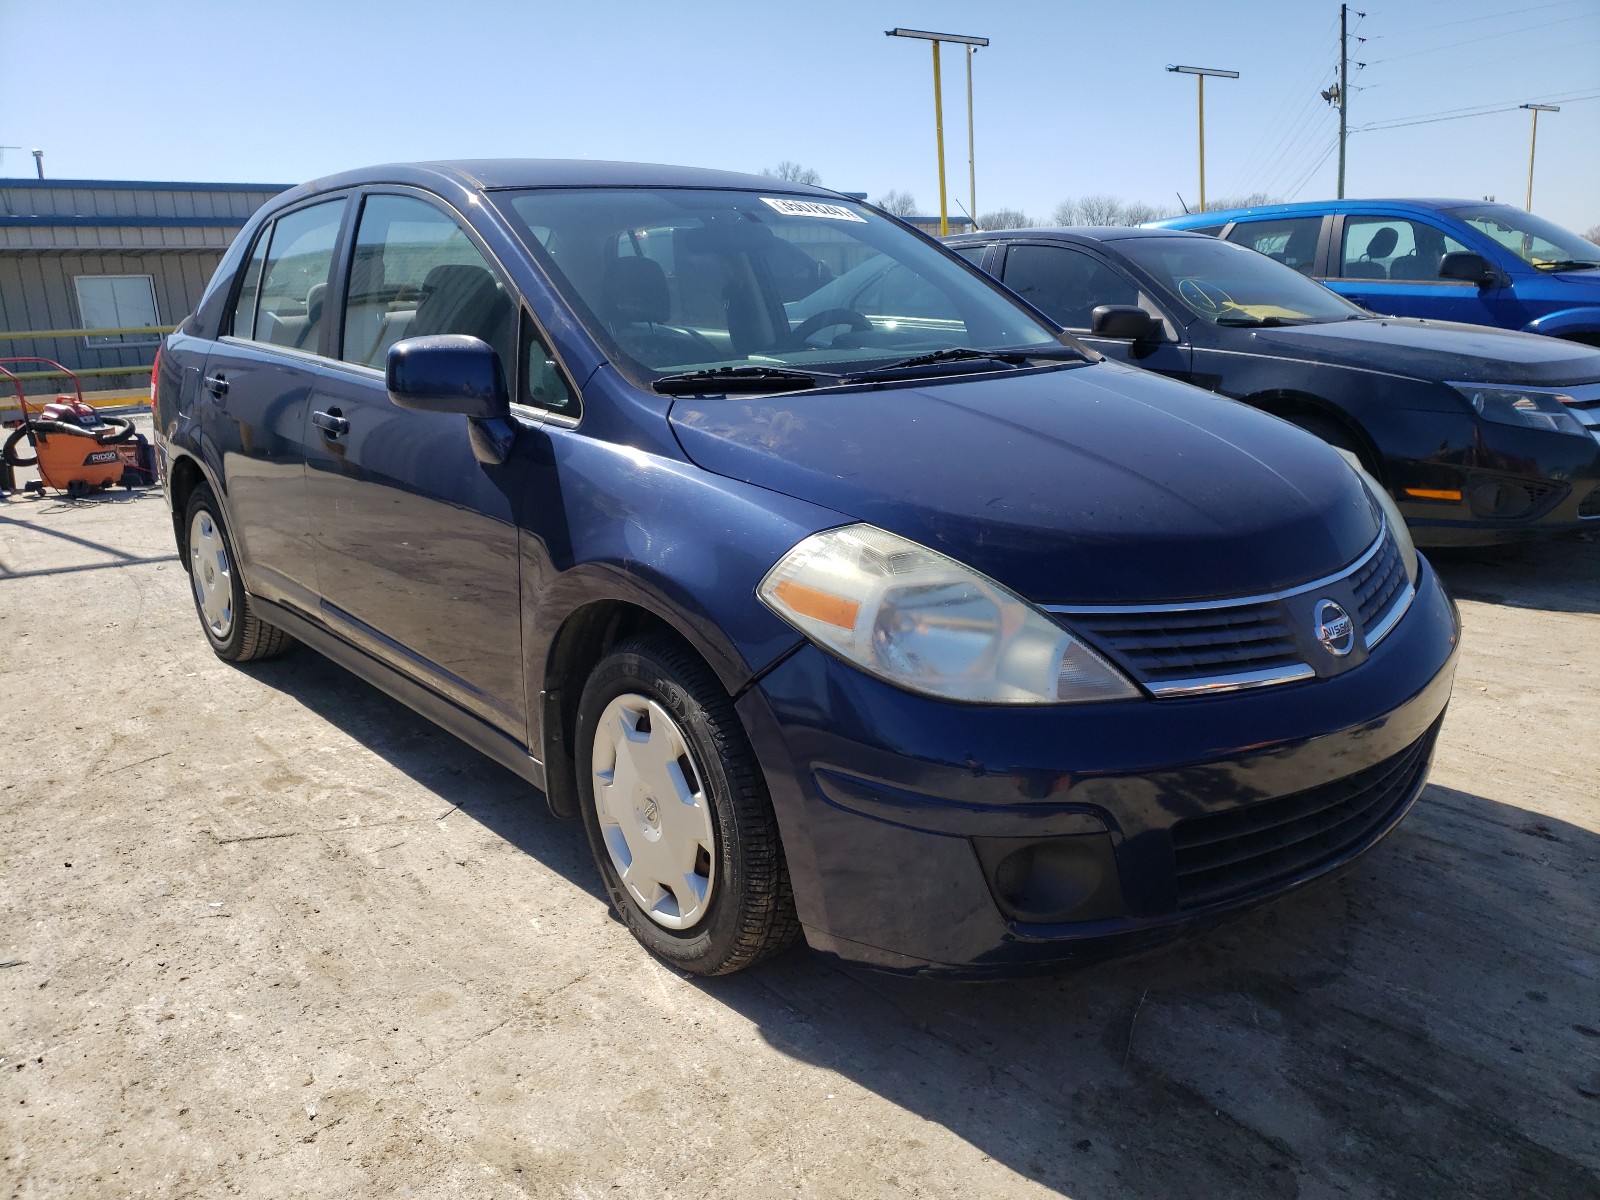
{"x": 1234, "y": 601}
{"x": 1377, "y": 577}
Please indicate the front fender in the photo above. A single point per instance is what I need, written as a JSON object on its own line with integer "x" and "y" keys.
{"x": 1566, "y": 322}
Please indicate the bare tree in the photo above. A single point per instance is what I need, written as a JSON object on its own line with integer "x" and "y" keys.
{"x": 1593, "y": 235}
{"x": 1006, "y": 218}
{"x": 1101, "y": 209}
{"x": 1253, "y": 200}
{"x": 900, "y": 204}
{"x": 792, "y": 172}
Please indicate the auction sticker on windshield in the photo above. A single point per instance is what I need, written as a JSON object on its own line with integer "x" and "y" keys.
{"x": 810, "y": 208}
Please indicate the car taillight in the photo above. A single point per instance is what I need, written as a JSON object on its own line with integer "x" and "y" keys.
{"x": 155, "y": 373}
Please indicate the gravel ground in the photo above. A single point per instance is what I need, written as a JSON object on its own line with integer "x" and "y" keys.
{"x": 267, "y": 933}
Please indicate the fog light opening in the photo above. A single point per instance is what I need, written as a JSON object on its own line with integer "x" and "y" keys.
{"x": 1052, "y": 880}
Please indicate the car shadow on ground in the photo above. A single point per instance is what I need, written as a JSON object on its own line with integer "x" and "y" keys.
{"x": 1562, "y": 575}
{"x": 1424, "y": 1025}
{"x": 465, "y": 780}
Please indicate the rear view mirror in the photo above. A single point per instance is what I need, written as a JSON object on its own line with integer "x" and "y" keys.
{"x": 1122, "y": 321}
{"x": 447, "y": 372}
{"x": 1467, "y": 265}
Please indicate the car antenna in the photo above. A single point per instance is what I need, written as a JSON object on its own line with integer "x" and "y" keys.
{"x": 1179, "y": 195}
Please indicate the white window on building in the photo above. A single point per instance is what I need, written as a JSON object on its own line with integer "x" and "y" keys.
{"x": 117, "y": 302}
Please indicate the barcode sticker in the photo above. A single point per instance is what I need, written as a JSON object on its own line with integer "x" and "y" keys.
{"x": 810, "y": 208}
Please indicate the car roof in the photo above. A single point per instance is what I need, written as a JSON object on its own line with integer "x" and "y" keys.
{"x": 1217, "y": 216}
{"x": 485, "y": 174}
{"x": 1086, "y": 233}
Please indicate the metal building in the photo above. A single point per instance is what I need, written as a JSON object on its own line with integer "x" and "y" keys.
{"x": 81, "y": 256}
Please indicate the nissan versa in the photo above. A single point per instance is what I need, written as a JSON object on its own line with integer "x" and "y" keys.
{"x": 911, "y": 625}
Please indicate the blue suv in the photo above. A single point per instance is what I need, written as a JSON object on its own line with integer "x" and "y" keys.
{"x": 1449, "y": 260}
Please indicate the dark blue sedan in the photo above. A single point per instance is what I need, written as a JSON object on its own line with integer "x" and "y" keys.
{"x": 908, "y": 623}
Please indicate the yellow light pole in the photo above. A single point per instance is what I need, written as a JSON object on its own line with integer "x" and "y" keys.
{"x": 938, "y": 111}
{"x": 1533, "y": 143}
{"x": 1200, "y": 74}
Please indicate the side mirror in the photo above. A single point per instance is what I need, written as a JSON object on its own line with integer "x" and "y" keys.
{"x": 1123, "y": 321}
{"x": 1469, "y": 266}
{"x": 448, "y": 373}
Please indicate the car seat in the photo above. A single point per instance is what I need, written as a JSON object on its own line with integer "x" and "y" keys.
{"x": 1380, "y": 245}
{"x": 464, "y": 298}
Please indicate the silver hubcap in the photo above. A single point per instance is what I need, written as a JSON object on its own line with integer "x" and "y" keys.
{"x": 210, "y": 573}
{"x": 654, "y": 815}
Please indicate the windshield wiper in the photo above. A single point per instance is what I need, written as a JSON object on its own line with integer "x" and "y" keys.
{"x": 1570, "y": 264}
{"x": 742, "y": 379}
{"x": 1259, "y": 322}
{"x": 1012, "y": 358}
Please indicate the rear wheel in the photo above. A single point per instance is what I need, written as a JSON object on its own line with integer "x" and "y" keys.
{"x": 225, "y": 611}
{"x": 677, "y": 812}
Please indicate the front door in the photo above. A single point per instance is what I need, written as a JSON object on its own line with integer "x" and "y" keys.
{"x": 1391, "y": 266}
{"x": 1068, "y": 283}
{"x": 416, "y": 540}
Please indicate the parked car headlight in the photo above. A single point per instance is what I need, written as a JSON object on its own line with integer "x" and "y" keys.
{"x": 922, "y": 621}
{"x": 1533, "y": 407}
{"x": 1379, "y": 495}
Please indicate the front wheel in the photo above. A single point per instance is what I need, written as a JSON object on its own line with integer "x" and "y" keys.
{"x": 677, "y": 811}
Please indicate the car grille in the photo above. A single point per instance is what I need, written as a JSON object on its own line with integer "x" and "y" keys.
{"x": 1163, "y": 647}
{"x": 1585, "y": 405}
{"x": 1225, "y": 645}
{"x": 1228, "y": 854}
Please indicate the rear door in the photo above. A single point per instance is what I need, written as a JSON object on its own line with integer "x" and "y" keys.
{"x": 255, "y": 394}
{"x": 416, "y": 540}
{"x": 1067, "y": 283}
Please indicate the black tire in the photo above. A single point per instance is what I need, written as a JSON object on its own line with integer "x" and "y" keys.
{"x": 750, "y": 913}
{"x": 246, "y": 636}
{"x": 1336, "y": 435}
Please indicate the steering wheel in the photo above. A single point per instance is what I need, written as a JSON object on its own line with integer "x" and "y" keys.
{"x": 817, "y": 322}
{"x": 1204, "y": 297}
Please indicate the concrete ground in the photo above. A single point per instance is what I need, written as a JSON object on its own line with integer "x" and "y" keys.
{"x": 266, "y": 933}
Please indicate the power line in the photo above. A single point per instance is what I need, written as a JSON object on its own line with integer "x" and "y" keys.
{"x": 1542, "y": 25}
{"x": 1380, "y": 128}
{"x": 1333, "y": 145}
{"x": 1437, "y": 25}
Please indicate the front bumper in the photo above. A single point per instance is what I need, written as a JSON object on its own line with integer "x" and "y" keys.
{"x": 899, "y": 813}
{"x": 1503, "y": 483}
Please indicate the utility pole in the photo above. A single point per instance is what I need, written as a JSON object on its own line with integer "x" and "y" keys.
{"x": 1200, "y": 74}
{"x": 1533, "y": 142}
{"x": 1344, "y": 86}
{"x": 938, "y": 112}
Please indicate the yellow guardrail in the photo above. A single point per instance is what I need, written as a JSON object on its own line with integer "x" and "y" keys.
{"x": 82, "y": 372}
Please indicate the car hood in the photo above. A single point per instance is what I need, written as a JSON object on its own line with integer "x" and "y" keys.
{"x": 1092, "y": 484}
{"x": 1434, "y": 350}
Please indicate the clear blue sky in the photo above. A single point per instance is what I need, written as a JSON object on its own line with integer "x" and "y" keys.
{"x": 1071, "y": 98}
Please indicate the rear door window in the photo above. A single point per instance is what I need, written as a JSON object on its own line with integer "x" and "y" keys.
{"x": 1393, "y": 248}
{"x": 294, "y": 279}
{"x": 1291, "y": 240}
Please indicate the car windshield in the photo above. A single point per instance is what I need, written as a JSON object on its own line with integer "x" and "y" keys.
{"x": 762, "y": 287}
{"x": 1534, "y": 240}
{"x": 1229, "y": 285}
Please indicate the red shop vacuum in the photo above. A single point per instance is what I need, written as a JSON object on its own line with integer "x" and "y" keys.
{"x": 76, "y": 450}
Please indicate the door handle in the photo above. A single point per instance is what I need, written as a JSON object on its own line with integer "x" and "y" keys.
{"x": 330, "y": 422}
{"x": 217, "y": 384}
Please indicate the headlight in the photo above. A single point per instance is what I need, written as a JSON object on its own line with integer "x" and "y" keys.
{"x": 924, "y": 622}
{"x": 1537, "y": 408}
{"x": 1379, "y": 495}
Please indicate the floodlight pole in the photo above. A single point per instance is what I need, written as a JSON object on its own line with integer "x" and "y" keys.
{"x": 972, "y": 168}
{"x": 1533, "y": 142}
{"x": 1200, "y": 74}
{"x": 971, "y": 44}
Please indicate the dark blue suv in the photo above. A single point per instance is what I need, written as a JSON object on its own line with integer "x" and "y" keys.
{"x": 907, "y": 623}
{"x": 1451, "y": 260}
